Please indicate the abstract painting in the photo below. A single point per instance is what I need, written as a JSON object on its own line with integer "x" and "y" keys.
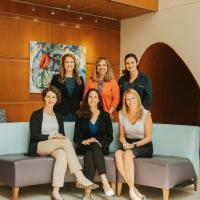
{"x": 45, "y": 61}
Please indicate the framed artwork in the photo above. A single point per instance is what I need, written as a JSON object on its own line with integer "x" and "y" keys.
{"x": 45, "y": 61}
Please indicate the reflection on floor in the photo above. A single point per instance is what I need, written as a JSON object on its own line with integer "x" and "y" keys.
{"x": 69, "y": 192}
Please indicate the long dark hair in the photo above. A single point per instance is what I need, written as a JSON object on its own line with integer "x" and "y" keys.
{"x": 84, "y": 110}
{"x": 126, "y": 72}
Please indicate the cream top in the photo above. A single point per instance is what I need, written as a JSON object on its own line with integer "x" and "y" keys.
{"x": 49, "y": 125}
{"x": 133, "y": 131}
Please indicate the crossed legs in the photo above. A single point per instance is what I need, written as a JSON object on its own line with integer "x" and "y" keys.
{"x": 64, "y": 154}
{"x": 125, "y": 166}
{"x": 94, "y": 159}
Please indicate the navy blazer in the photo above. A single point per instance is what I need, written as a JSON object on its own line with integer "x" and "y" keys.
{"x": 104, "y": 132}
{"x": 36, "y": 129}
{"x": 69, "y": 103}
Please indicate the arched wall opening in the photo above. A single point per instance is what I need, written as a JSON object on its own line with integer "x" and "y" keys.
{"x": 176, "y": 94}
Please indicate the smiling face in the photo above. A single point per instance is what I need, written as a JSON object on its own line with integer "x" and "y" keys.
{"x": 93, "y": 99}
{"x": 102, "y": 68}
{"x": 131, "y": 64}
{"x": 69, "y": 64}
{"x": 50, "y": 99}
{"x": 131, "y": 102}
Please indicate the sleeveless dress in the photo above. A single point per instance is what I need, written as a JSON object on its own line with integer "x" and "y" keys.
{"x": 135, "y": 133}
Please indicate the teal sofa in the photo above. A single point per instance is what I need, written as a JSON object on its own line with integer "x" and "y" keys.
{"x": 176, "y": 148}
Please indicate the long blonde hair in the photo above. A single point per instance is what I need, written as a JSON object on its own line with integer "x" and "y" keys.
{"x": 125, "y": 108}
{"x": 109, "y": 74}
{"x": 76, "y": 72}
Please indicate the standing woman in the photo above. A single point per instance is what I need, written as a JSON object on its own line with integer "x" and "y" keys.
{"x": 135, "y": 127}
{"x": 71, "y": 85}
{"x": 103, "y": 80}
{"x": 93, "y": 135}
{"x": 134, "y": 79}
{"x": 48, "y": 139}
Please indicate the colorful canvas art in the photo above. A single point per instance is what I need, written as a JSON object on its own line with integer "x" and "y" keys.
{"x": 45, "y": 61}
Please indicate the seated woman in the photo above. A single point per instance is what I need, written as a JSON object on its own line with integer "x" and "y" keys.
{"x": 135, "y": 126}
{"x": 47, "y": 138}
{"x": 93, "y": 135}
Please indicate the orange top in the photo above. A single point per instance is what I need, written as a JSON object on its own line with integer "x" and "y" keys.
{"x": 109, "y": 93}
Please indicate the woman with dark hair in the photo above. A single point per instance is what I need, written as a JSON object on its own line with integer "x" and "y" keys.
{"x": 134, "y": 79}
{"x": 93, "y": 135}
{"x": 71, "y": 85}
{"x": 103, "y": 80}
{"x": 48, "y": 139}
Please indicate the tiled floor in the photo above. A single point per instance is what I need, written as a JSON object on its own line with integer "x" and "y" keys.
{"x": 69, "y": 192}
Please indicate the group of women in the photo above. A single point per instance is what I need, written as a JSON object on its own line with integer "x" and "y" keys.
{"x": 93, "y": 108}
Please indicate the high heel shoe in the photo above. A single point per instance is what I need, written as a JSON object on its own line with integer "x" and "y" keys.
{"x": 55, "y": 198}
{"x": 89, "y": 187}
{"x": 109, "y": 192}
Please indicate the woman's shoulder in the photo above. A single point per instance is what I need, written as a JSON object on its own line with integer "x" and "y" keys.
{"x": 56, "y": 76}
{"x": 122, "y": 78}
{"x": 145, "y": 113}
{"x": 37, "y": 113}
{"x": 143, "y": 75}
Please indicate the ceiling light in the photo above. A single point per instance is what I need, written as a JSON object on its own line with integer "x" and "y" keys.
{"x": 96, "y": 20}
{"x": 35, "y": 20}
{"x": 62, "y": 24}
{"x": 80, "y": 17}
{"x": 33, "y": 9}
{"x": 77, "y": 26}
{"x": 69, "y": 7}
{"x": 52, "y": 12}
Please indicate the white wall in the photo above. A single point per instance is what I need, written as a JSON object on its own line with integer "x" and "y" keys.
{"x": 177, "y": 23}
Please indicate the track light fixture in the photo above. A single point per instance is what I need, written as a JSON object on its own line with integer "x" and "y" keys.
{"x": 67, "y": 9}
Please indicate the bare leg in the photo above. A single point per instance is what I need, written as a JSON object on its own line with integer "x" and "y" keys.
{"x": 129, "y": 171}
{"x": 125, "y": 165}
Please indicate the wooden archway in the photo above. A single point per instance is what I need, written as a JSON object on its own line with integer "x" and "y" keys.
{"x": 176, "y": 94}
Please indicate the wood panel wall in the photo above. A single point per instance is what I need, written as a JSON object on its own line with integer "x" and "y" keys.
{"x": 15, "y": 36}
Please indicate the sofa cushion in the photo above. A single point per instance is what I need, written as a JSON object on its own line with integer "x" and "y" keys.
{"x": 177, "y": 140}
{"x": 162, "y": 171}
{"x": 20, "y": 170}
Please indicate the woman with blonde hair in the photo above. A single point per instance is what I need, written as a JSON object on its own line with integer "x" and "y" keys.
{"x": 71, "y": 85}
{"x": 135, "y": 127}
{"x": 103, "y": 80}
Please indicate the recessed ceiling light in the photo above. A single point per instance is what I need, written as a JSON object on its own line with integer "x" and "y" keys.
{"x": 77, "y": 26}
{"x": 96, "y": 20}
{"x": 69, "y": 6}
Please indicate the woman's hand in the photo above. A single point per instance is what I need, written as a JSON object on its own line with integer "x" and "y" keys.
{"x": 95, "y": 140}
{"x": 56, "y": 136}
{"x": 86, "y": 142}
{"x": 127, "y": 146}
{"x": 90, "y": 140}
